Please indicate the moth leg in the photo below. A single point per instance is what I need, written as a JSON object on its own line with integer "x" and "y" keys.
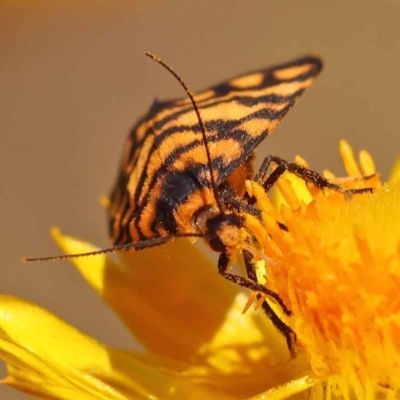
{"x": 304, "y": 173}
{"x": 243, "y": 205}
{"x": 286, "y": 331}
{"x": 250, "y": 267}
{"x": 223, "y": 265}
{"x": 262, "y": 172}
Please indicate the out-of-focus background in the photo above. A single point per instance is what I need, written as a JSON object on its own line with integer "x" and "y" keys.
{"x": 73, "y": 80}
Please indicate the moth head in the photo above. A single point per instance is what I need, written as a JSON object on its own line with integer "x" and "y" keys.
{"x": 221, "y": 231}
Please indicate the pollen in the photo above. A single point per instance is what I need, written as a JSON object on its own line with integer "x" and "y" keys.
{"x": 337, "y": 267}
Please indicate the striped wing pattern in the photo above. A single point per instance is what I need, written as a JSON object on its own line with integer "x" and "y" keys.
{"x": 164, "y": 166}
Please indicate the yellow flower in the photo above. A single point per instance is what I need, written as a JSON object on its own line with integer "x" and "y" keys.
{"x": 336, "y": 266}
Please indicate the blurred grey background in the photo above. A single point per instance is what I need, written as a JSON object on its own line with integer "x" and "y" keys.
{"x": 73, "y": 80}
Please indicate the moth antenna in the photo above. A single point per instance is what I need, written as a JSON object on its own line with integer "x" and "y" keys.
{"x": 157, "y": 241}
{"x": 203, "y": 131}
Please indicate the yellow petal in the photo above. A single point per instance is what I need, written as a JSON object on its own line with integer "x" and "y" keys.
{"x": 49, "y": 359}
{"x": 163, "y": 294}
{"x": 178, "y": 306}
{"x": 395, "y": 173}
{"x": 290, "y": 389}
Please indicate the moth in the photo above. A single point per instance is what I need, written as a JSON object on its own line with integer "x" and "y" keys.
{"x": 185, "y": 163}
